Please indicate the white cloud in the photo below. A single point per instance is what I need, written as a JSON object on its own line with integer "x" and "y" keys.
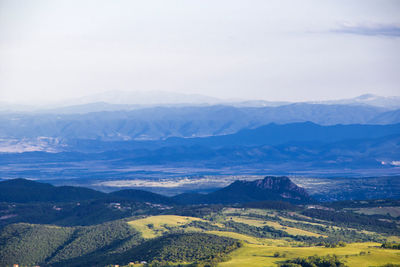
{"x": 275, "y": 50}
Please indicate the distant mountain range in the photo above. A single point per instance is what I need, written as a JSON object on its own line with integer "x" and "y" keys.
{"x": 129, "y": 100}
{"x": 275, "y": 134}
{"x": 391, "y": 102}
{"x": 162, "y": 122}
{"x": 269, "y": 188}
{"x": 290, "y": 146}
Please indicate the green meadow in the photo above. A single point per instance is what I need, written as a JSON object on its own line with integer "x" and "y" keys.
{"x": 259, "y": 251}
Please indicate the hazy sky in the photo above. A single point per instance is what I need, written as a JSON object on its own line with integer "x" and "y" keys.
{"x": 274, "y": 50}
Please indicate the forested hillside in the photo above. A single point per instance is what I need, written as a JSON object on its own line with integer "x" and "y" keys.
{"x": 270, "y": 221}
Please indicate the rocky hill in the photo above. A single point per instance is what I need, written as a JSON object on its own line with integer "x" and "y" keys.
{"x": 269, "y": 188}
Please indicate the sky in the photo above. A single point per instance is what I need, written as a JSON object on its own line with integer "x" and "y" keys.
{"x": 53, "y": 50}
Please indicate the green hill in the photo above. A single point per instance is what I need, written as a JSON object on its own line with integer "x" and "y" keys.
{"x": 23, "y": 191}
{"x": 28, "y": 244}
{"x": 99, "y": 245}
{"x": 141, "y": 196}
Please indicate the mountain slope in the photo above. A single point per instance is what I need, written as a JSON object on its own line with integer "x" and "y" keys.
{"x": 275, "y": 134}
{"x": 270, "y": 134}
{"x": 392, "y": 116}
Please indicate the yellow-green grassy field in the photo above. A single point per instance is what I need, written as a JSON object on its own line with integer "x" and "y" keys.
{"x": 289, "y": 230}
{"x": 393, "y": 211}
{"x": 154, "y": 226}
{"x": 263, "y": 255}
{"x": 260, "y": 251}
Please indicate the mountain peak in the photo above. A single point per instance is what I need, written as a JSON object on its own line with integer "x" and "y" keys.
{"x": 270, "y": 188}
{"x": 274, "y": 182}
{"x": 367, "y": 97}
{"x": 277, "y": 187}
